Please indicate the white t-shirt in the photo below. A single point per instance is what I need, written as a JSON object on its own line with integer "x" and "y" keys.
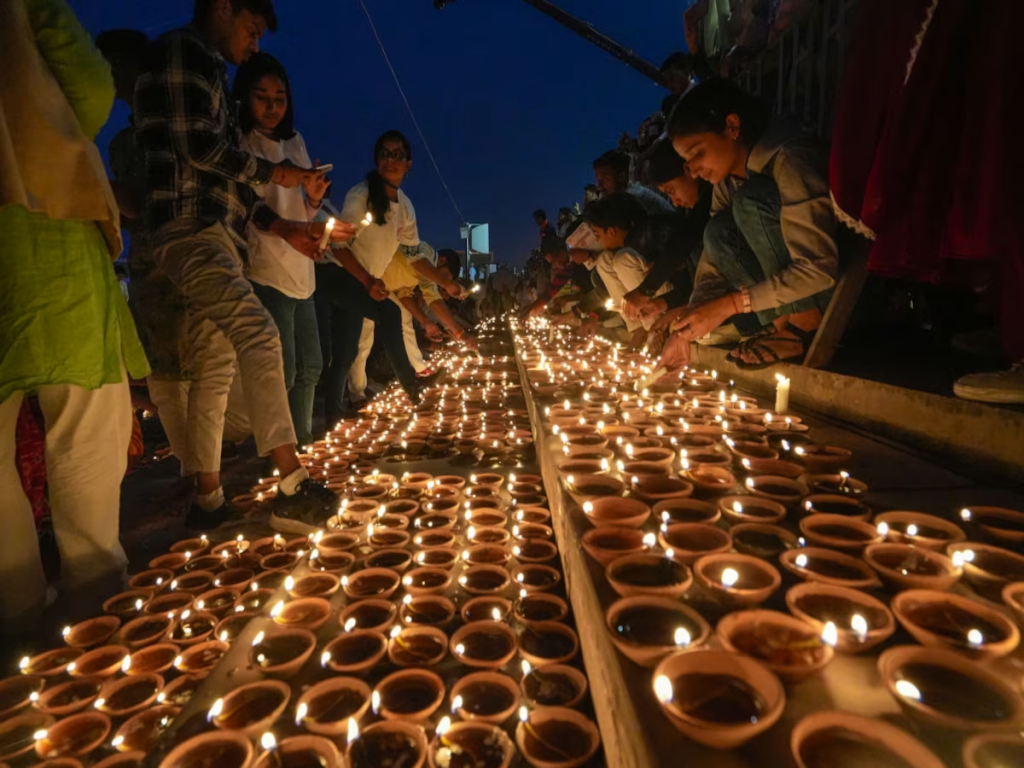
{"x": 374, "y": 245}
{"x": 271, "y": 260}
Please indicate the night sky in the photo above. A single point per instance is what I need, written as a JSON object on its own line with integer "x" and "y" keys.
{"x": 515, "y": 107}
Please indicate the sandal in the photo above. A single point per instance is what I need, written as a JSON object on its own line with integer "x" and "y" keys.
{"x": 743, "y": 346}
{"x": 768, "y": 357}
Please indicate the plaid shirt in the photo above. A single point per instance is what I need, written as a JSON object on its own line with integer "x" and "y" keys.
{"x": 190, "y": 136}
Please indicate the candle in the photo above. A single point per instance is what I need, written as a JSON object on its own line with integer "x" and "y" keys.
{"x": 781, "y": 393}
{"x": 326, "y": 237}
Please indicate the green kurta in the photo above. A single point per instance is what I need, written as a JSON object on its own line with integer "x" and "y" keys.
{"x": 63, "y": 319}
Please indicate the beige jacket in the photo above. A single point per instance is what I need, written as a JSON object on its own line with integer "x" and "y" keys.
{"x": 47, "y": 163}
{"x": 402, "y": 280}
{"x": 806, "y": 218}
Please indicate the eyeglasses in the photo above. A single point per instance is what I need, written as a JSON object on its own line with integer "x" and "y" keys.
{"x": 396, "y": 155}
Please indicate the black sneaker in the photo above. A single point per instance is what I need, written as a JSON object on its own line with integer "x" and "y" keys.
{"x": 306, "y": 511}
{"x": 198, "y": 519}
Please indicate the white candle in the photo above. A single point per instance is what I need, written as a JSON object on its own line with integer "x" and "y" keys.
{"x": 326, "y": 237}
{"x": 781, "y": 393}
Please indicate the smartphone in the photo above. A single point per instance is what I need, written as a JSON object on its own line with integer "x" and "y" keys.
{"x": 324, "y": 168}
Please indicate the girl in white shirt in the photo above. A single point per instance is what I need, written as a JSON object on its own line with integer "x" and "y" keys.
{"x": 283, "y": 278}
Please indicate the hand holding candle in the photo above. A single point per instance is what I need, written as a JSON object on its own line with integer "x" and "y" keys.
{"x": 325, "y": 238}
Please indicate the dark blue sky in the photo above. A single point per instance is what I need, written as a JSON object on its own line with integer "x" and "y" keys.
{"x": 514, "y": 106}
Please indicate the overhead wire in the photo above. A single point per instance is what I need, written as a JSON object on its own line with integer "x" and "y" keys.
{"x": 412, "y": 115}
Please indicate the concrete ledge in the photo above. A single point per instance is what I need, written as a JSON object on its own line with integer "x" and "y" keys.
{"x": 992, "y": 439}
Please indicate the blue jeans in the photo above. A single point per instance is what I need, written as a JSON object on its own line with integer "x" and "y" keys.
{"x": 350, "y": 304}
{"x": 745, "y": 244}
{"x": 300, "y": 348}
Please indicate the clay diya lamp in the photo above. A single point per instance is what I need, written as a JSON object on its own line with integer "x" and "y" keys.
{"x": 1000, "y": 524}
{"x": 575, "y": 466}
{"x": 383, "y": 538}
{"x": 192, "y": 547}
{"x": 443, "y": 507}
{"x": 199, "y": 660}
{"x": 18, "y": 692}
{"x": 533, "y": 515}
{"x": 685, "y": 511}
{"x": 254, "y": 600}
{"x": 484, "y": 580}
{"x": 664, "y": 457}
{"x": 127, "y": 605}
{"x": 616, "y": 431}
{"x": 750, "y": 449}
{"x": 172, "y": 561}
{"x": 609, "y": 543}
{"x": 484, "y": 644}
{"x": 435, "y": 539}
{"x": 281, "y": 652}
{"x": 102, "y": 662}
{"x": 426, "y": 581}
{"x": 708, "y": 480}
{"x": 777, "y": 488}
{"x": 860, "y": 620}
{"x": 218, "y": 601}
{"x": 689, "y": 542}
{"x": 646, "y": 628}
{"x": 129, "y": 695}
{"x": 988, "y": 569}
{"x": 153, "y": 579}
{"x": 919, "y": 529}
{"x": 488, "y": 479}
{"x": 340, "y": 541}
{"x": 655, "y": 489}
{"x": 239, "y": 578}
{"x": 70, "y": 697}
{"x": 829, "y": 567}
{"x": 122, "y": 760}
{"x": 614, "y": 511}
{"x": 426, "y": 611}
{"x": 760, "y": 540}
{"x": 326, "y": 708}
{"x": 438, "y": 557}
{"x": 315, "y": 585}
{"x": 737, "y": 580}
{"x": 833, "y": 504}
{"x": 224, "y": 749}
{"x": 553, "y": 685}
{"x": 478, "y": 742}
{"x": 304, "y": 613}
{"x": 139, "y": 734}
{"x": 169, "y": 603}
{"x": 556, "y": 737}
{"x": 584, "y": 488}
{"x": 838, "y": 484}
{"x": 821, "y": 459}
{"x": 456, "y": 482}
{"x": 718, "y": 698}
{"x": 548, "y": 642}
{"x": 412, "y": 695}
{"x": 229, "y": 628}
{"x": 393, "y": 742}
{"x": 832, "y": 737}
{"x": 526, "y": 478}
{"x": 644, "y": 469}
{"x": 647, "y": 573}
{"x": 486, "y": 609}
{"x": 374, "y": 614}
{"x": 787, "y": 646}
{"x": 485, "y": 697}
{"x": 945, "y": 689}
{"x": 993, "y": 750}
{"x": 839, "y": 532}
{"x": 74, "y": 736}
{"x": 336, "y": 563}
{"x": 194, "y": 583}
{"x": 945, "y": 620}
{"x": 374, "y": 582}
{"x": 486, "y": 554}
{"x": 251, "y": 709}
{"x": 537, "y": 500}
{"x": 192, "y": 627}
{"x": 18, "y": 734}
{"x": 778, "y": 467}
{"x": 751, "y": 509}
{"x": 905, "y": 567}
{"x": 708, "y": 459}
{"x": 417, "y": 646}
{"x": 355, "y": 652}
{"x": 535, "y": 578}
{"x": 524, "y": 531}
{"x": 486, "y": 518}
{"x": 535, "y": 551}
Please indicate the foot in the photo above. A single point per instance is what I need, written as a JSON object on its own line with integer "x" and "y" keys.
{"x": 305, "y": 511}
{"x": 198, "y": 519}
{"x": 1005, "y": 387}
{"x": 789, "y": 344}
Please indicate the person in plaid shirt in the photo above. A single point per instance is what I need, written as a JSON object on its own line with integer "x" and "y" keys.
{"x": 199, "y": 200}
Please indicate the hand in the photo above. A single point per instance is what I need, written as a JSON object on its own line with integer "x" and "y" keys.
{"x": 469, "y": 340}
{"x": 666, "y": 321}
{"x": 305, "y": 237}
{"x": 537, "y": 309}
{"x": 633, "y": 304}
{"x": 455, "y": 290}
{"x": 316, "y": 187}
{"x": 588, "y": 329}
{"x": 288, "y": 175}
{"x": 653, "y": 309}
{"x": 676, "y": 353}
{"x": 377, "y": 290}
{"x": 700, "y": 321}
{"x": 637, "y": 339}
{"x": 432, "y": 331}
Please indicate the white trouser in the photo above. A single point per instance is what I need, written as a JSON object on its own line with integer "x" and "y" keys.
{"x": 87, "y": 438}
{"x": 622, "y": 271}
{"x": 412, "y": 348}
{"x": 171, "y": 400}
{"x": 357, "y": 373}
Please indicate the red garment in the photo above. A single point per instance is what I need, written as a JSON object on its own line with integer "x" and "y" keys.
{"x": 31, "y": 453}
{"x": 924, "y": 161}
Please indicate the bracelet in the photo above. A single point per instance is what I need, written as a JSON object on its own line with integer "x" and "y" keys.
{"x": 316, "y": 204}
{"x": 745, "y": 295}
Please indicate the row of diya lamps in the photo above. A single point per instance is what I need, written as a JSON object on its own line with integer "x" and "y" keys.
{"x": 130, "y": 672}
{"x": 680, "y": 450}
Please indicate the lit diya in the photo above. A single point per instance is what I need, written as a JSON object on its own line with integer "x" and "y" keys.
{"x": 281, "y": 652}
{"x": 993, "y": 750}
{"x": 471, "y": 744}
{"x": 556, "y": 737}
{"x": 834, "y": 739}
{"x": 944, "y": 620}
{"x": 906, "y": 567}
{"x": 997, "y": 522}
{"x": 392, "y": 742}
{"x": 919, "y": 529}
{"x": 737, "y": 580}
{"x": 548, "y": 642}
{"x": 484, "y": 644}
{"x": 839, "y": 532}
{"x": 760, "y": 540}
{"x": 829, "y": 567}
{"x": 986, "y": 568}
{"x": 413, "y": 646}
{"x": 553, "y": 685}
{"x": 326, "y": 707}
{"x": 787, "y": 646}
{"x": 861, "y": 621}
{"x": 409, "y": 694}
{"x": 355, "y": 652}
{"x": 646, "y": 629}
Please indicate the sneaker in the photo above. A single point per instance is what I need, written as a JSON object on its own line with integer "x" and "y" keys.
{"x": 1005, "y": 387}
{"x": 198, "y": 519}
{"x": 306, "y": 511}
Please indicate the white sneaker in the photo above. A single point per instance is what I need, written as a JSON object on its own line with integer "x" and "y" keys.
{"x": 997, "y": 387}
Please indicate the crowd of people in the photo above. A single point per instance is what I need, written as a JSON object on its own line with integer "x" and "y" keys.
{"x": 242, "y": 297}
